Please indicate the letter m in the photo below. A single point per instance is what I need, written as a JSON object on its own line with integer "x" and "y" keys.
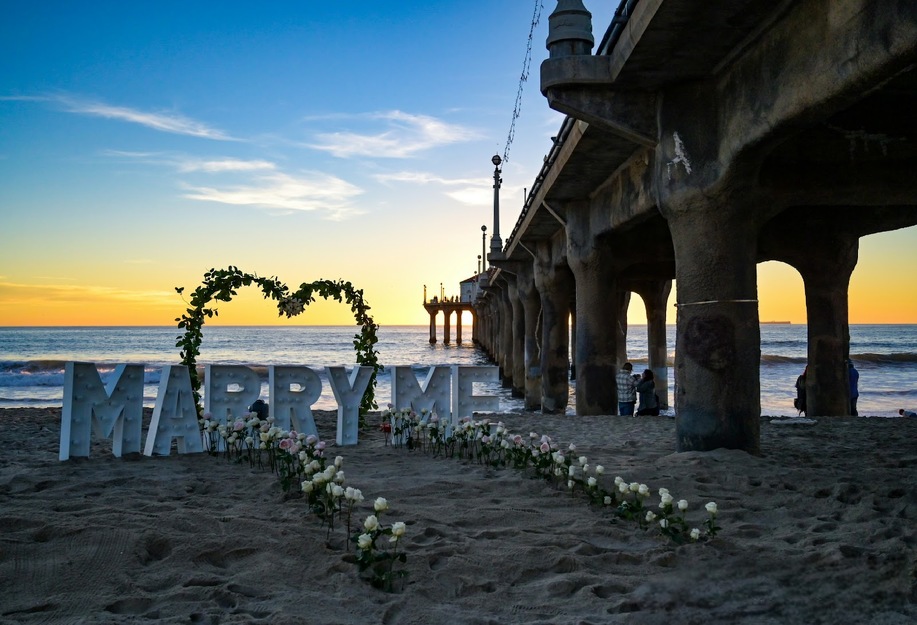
{"x": 113, "y": 411}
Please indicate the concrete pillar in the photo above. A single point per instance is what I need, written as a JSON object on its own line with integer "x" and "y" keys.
{"x": 826, "y": 275}
{"x": 507, "y": 347}
{"x": 447, "y": 326}
{"x": 555, "y": 285}
{"x": 531, "y": 304}
{"x": 458, "y": 326}
{"x": 517, "y": 314}
{"x": 655, "y": 294}
{"x": 597, "y": 307}
{"x": 475, "y": 325}
{"x": 718, "y": 351}
{"x": 433, "y": 327}
{"x": 622, "y": 300}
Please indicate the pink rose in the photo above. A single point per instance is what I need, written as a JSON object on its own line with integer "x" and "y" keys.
{"x": 285, "y": 443}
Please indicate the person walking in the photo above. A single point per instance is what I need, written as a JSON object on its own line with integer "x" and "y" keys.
{"x": 627, "y": 391}
{"x": 854, "y": 390}
{"x": 646, "y": 388}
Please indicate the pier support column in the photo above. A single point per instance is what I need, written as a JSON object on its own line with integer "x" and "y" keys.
{"x": 655, "y": 294}
{"x": 555, "y": 285}
{"x": 825, "y": 255}
{"x": 447, "y": 320}
{"x": 718, "y": 344}
{"x": 531, "y": 305}
{"x": 518, "y": 335}
{"x": 433, "y": 327}
{"x": 597, "y": 306}
{"x": 827, "y": 278}
{"x": 507, "y": 348}
{"x": 458, "y": 326}
{"x": 622, "y": 301}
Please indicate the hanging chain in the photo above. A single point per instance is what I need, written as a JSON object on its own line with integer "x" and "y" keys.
{"x": 536, "y": 17}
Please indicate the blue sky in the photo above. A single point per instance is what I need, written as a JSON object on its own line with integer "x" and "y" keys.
{"x": 143, "y": 143}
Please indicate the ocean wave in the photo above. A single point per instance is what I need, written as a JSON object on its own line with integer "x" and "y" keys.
{"x": 42, "y": 373}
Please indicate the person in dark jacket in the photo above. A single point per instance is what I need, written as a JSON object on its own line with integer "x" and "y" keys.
{"x": 646, "y": 390}
{"x": 854, "y": 390}
{"x": 800, "y": 401}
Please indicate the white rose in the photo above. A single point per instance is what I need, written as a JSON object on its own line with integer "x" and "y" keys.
{"x": 695, "y": 534}
{"x": 664, "y": 523}
{"x": 607, "y": 500}
{"x": 307, "y": 486}
{"x": 599, "y": 469}
{"x": 650, "y": 516}
{"x": 663, "y": 492}
{"x": 380, "y": 505}
{"x": 592, "y": 482}
{"x": 711, "y": 508}
{"x": 643, "y": 490}
{"x": 682, "y": 504}
{"x": 634, "y": 487}
{"x": 570, "y": 484}
{"x": 336, "y": 491}
{"x": 666, "y": 500}
{"x": 398, "y": 529}
{"x": 582, "y": 460}
{"x": 619, "y": 480}
{"x": 571, "y": 471}
{"x": 371, "y": 523}
{"x": 365, "y": 541}
{"x": 338, "y": 461}
{"x": 622, "y": 488}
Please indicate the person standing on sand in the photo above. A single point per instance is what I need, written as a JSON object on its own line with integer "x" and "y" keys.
{"x": 854, "y": 391}
{"x": 800, "y": 401}
{"x": 646, "y": 388}
{"x": 627, "y": 390}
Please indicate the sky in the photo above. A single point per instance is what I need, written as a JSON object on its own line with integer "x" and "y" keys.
{"x": 143, "y": 143}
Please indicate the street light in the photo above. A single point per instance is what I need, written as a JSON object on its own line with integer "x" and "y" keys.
{"x": 479, "y": 264}
{"x": 496, "y": 244}
{"x": 483, "y": 248}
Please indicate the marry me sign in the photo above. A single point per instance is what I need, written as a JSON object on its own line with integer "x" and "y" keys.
{"x": 115, "y": 410}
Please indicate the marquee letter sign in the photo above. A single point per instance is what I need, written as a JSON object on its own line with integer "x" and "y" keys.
{"x": 115, "y": 410}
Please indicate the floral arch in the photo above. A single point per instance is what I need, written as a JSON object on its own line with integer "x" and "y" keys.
{"x": 221, "y": 285}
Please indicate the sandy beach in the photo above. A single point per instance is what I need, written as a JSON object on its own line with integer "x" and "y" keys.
{"x": 821, "y": 528}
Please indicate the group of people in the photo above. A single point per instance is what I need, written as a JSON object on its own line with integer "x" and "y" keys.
{"x": 631, "y": 386}
{"x": 853, "y": 377}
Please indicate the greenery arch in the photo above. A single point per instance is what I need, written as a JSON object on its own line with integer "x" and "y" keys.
{"x": 222, "y": 284}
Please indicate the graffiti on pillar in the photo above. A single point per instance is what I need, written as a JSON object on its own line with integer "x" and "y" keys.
{"x": 710, "y": 341}
{"x": 681, "y": 157}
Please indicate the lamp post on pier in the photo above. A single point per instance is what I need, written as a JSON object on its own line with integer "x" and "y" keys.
{"x": 483, "y": 248}
{"x": 496, "y": 244}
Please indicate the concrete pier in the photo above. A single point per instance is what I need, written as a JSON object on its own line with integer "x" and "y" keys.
{"x": 772, "y": 131}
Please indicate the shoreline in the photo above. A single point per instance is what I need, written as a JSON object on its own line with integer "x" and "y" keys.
{"x": 820, "y": 528}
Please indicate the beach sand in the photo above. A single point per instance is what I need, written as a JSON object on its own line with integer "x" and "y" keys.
{"x": 821, "y": 528}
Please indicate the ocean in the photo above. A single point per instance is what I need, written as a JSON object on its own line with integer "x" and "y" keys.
{"x": 32, "y": 359}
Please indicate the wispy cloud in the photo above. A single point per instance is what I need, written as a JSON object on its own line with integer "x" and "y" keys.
{"x": 312, "y": 191}
{"x": 18, "y": 293}
{"x": 216, "y": 166}
{"x": 470, "y": 191}
{"x": 163, "y": 121}
{"x": 405, "y": 135}
{"x": 420, "y": 177}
